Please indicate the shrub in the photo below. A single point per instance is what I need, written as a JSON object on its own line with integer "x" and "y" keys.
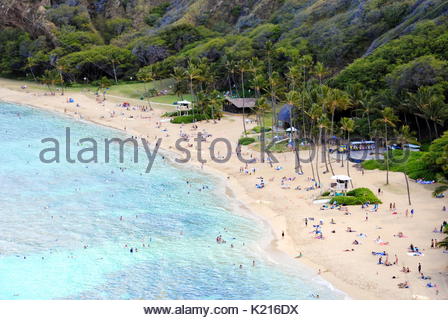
{"x": 257, "y": 129}
{"x": 440, "y": 190}
{"x": 356, "y": 197}
{"x": 175, "y": 113}
{"x": 413, "y": 164}
{"x": 244, "y": 141}
{"x": 156, "y": 13}
{"x": 188, "y": 119}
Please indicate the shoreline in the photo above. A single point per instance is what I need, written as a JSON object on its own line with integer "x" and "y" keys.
{"x": 295, "y": 237}
{"x": 268, "y": 243}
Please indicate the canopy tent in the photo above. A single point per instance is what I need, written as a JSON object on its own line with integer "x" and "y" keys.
{"x": 285, "y": 113}
{"x": 362, "y": 142}
{"x": 341, "y": 183}
{"x": 183, "y": 102}
{"x": 341, "y": 178}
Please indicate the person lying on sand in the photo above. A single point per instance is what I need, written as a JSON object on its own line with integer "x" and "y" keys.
{"x": 403, "y": 285}
{"x": 400, "y": 235}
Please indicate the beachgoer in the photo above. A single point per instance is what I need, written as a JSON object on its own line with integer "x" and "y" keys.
{"x": 419, "y": 267}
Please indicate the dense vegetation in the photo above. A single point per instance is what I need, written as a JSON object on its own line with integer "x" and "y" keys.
{"x": 431, "y": 165}
{"x": 366, "y": 69}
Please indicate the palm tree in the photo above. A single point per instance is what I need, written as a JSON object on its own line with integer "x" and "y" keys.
{"x": 231, "y": 69}
{"x": 444, "y": 242}
{"x": 272, "y": 83}
{"x": 335, "y": 99}
{"x": 315, "y": 113}
{"x": 293, "y": 76}
{"x": 205, "y": 74}
{"x": 305, "y": 63}
{"x": 146, "y": 74}
{"x": 258, "y": 82}
{"x": 29, "y": 65}
{"x": 242, "y": 68}
{"x": 261, "y": 107}
{"x": 114, "y": 69}
{"x": 403, "y": 136}
{"x": 320, "y": 71}
{"x": 255, "y": 66}
{"x": 324, "y": 124}
{"x": 388, "y": 119}
{"x": 274, "y": 88}
{"x": 367, "y": 107}
{"x": 104, "y": 83}
{"x": 60, "y": 69}
{"x": 293, "y": 98}
{"x": 179, "y": 76}
{"x": 429, "y": 105}
{"x": 50, "y": 78}
{"x": 215, "y": 102}
{"x": 192, "y": 73}
{"x": 348, "y": 125}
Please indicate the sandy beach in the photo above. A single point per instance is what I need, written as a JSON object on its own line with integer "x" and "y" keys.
{"x": 350, "y": 268}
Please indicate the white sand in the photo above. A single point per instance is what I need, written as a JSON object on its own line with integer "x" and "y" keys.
{"x": 355, "y": 272}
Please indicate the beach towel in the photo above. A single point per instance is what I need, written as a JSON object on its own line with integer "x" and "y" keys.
{"x": 424, "y": 182}
{"x": 362, "y": 235}
{"x": 415, "y": 254}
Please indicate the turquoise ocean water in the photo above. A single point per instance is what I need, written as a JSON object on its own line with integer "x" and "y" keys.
{"x": 49, "y": 213}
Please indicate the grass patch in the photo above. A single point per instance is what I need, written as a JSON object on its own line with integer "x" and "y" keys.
{"x": 188, "y": 119}
{"x": 410, "y": 163}
{"x": 170, "y": 98}
{"x": 244, "y": 141}
{"x": 356, "y": 197}
{"x": 258, "y": 129}
{"x": 280, "y": 147}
